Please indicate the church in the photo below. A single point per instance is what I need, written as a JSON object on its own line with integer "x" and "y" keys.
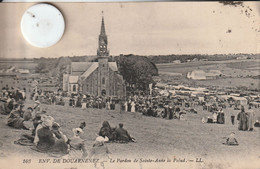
{"x": 99, "y": 78}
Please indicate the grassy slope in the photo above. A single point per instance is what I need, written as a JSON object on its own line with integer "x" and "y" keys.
{"x": 156, "y": 138}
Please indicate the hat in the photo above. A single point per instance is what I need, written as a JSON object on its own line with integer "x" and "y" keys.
{"x": 43, "y": 116}
{"x": 48, "y": 121}
{"x": 101, "y": 139}
{"x": 55, "y": 125}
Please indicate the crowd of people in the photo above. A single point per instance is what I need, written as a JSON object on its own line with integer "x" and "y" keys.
{"x": 47, "y": 97}
{"x": 154, "y": 106}
{"x": 46, "y": 134}
{"x": 97, "y": 102}
{"x": 8, "y": 97}
{"x": 246, "y": 119}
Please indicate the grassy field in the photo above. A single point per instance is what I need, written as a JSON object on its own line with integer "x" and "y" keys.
{"x": 156, "y": 138}
{"x": 22, "y": 65}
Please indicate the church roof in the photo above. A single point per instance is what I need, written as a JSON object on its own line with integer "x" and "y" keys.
{"x": 84, "y": 69}
{"x": 91, "y": 69}
{"x": 77, "y": 68}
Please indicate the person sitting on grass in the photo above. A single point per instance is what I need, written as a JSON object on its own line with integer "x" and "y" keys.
{"x": 99, "y": 151}
{"x": 106, "y": 131}
{"x": 77, "y": 147}
{"x": 257, "y": 124}
{"x": 122, "y": 135}
{"x": 82, "y": 125}
{"x": 57, "y": 132}
{"x": 15, "y": 118}
{"x": 48, "y": 142}
{"x": 231, "y": 140}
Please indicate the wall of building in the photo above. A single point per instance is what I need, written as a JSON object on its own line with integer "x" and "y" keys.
{"x": 114, "y": 84}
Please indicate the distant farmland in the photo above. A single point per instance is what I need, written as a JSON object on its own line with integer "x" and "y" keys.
{"x": 18, "y": 64}
{"x": 236, "y": 73}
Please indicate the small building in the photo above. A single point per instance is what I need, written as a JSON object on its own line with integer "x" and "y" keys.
{"x": 203, "y": 75}
{"x": 197, "y": 75}
{"x": 241, "y": 57}
{"x": 240, "y": 100}
{"x": 213, "y": 74}
{"x": 176, "y": 61}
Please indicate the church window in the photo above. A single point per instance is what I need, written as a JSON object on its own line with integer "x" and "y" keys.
{"x": 103, "y": 80}
{"x": 74, "y": 88}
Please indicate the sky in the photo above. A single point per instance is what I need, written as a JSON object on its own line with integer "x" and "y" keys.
{"x": 143, "y": 28}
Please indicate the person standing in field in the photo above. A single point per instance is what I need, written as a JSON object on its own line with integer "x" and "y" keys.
{"x": 232, "y": 119}
{"x": 125, "y": 106}
{"x": 242, "y": 118}
{"x": 251, "y": 117}
{"x": 133, "y": 106}
{"x": 215, "y": 117}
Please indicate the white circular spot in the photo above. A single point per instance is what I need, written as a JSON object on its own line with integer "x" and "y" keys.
{"x": 42, "y": 25}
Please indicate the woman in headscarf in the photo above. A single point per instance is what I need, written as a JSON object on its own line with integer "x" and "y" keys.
{"x": 77, "y": 147}
{"x": 15, "y": 119}
{"x": 57, "y": 132}
{"x": 231, "y": 140}
{"x": 48, "y": 142}
{"x": 46, "y": 137}
{"x": 99, "y": 151}
{"x": 106, "y": 131}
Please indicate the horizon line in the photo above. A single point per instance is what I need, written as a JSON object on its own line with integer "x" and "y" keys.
{"x": 130, "y": 54}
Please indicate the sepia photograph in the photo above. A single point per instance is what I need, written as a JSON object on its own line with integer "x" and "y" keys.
{"x": 121, "y": 85}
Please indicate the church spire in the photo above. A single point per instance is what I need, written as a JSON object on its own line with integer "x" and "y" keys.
{"x": 102, "y": 42}
{"x": 103, "y": 31}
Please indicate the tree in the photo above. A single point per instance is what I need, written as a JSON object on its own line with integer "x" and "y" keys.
{"x": 137, "y": 71}
{"x": 41, "y": 67}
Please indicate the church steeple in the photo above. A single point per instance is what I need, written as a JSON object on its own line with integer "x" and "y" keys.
{"x": 102, "y": 42}
{"x": 103, "y": 31}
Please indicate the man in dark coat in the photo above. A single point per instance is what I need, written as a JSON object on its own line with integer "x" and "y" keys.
{"x": 242, "y": 118}
{"x": 122, "y": 134}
